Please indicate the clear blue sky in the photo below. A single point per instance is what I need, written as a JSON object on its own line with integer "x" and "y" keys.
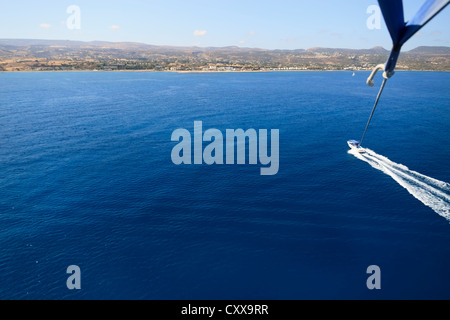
{"x": 274, "y": 24}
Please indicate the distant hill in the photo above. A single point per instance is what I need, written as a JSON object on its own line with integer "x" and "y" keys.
{"x": 430, "y": 50}
{"x": 36, "y": 54}
{"x": 375, "y": 50}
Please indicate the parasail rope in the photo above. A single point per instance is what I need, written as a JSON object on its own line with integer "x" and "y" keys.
{"x": 374, "y": 107}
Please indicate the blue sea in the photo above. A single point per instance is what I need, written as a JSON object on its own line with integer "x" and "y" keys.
{"x": 87, "y": 179}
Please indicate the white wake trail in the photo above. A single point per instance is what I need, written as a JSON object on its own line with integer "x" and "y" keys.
{"x": 431, "y": 192}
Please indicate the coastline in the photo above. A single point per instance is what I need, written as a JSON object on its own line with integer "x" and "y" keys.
{"x": 210, "y": 72}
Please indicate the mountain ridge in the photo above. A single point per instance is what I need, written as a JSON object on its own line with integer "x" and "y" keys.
{"x": 98, "y": 43}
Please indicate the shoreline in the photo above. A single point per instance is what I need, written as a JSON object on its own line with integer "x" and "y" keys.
{"x": 212, "y": 72}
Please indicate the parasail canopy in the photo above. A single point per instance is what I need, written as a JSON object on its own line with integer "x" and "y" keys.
{"x": 400, "y": 30}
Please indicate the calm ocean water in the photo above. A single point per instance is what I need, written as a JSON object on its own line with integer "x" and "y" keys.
{"x": 86, "y": 179}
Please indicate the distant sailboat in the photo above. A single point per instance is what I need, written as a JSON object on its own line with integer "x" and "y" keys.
{"x": 353, "y": 74}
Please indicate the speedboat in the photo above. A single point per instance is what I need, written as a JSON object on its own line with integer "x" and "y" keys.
{"x": 355, "y": 145}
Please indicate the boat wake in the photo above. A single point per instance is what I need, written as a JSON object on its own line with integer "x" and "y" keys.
{"x": 431, "y": 192}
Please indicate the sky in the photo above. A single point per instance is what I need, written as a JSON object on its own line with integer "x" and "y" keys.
{"x": 274, "y": 24}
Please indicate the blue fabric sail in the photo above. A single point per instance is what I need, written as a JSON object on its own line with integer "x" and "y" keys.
{"x": 400, "y": 30}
